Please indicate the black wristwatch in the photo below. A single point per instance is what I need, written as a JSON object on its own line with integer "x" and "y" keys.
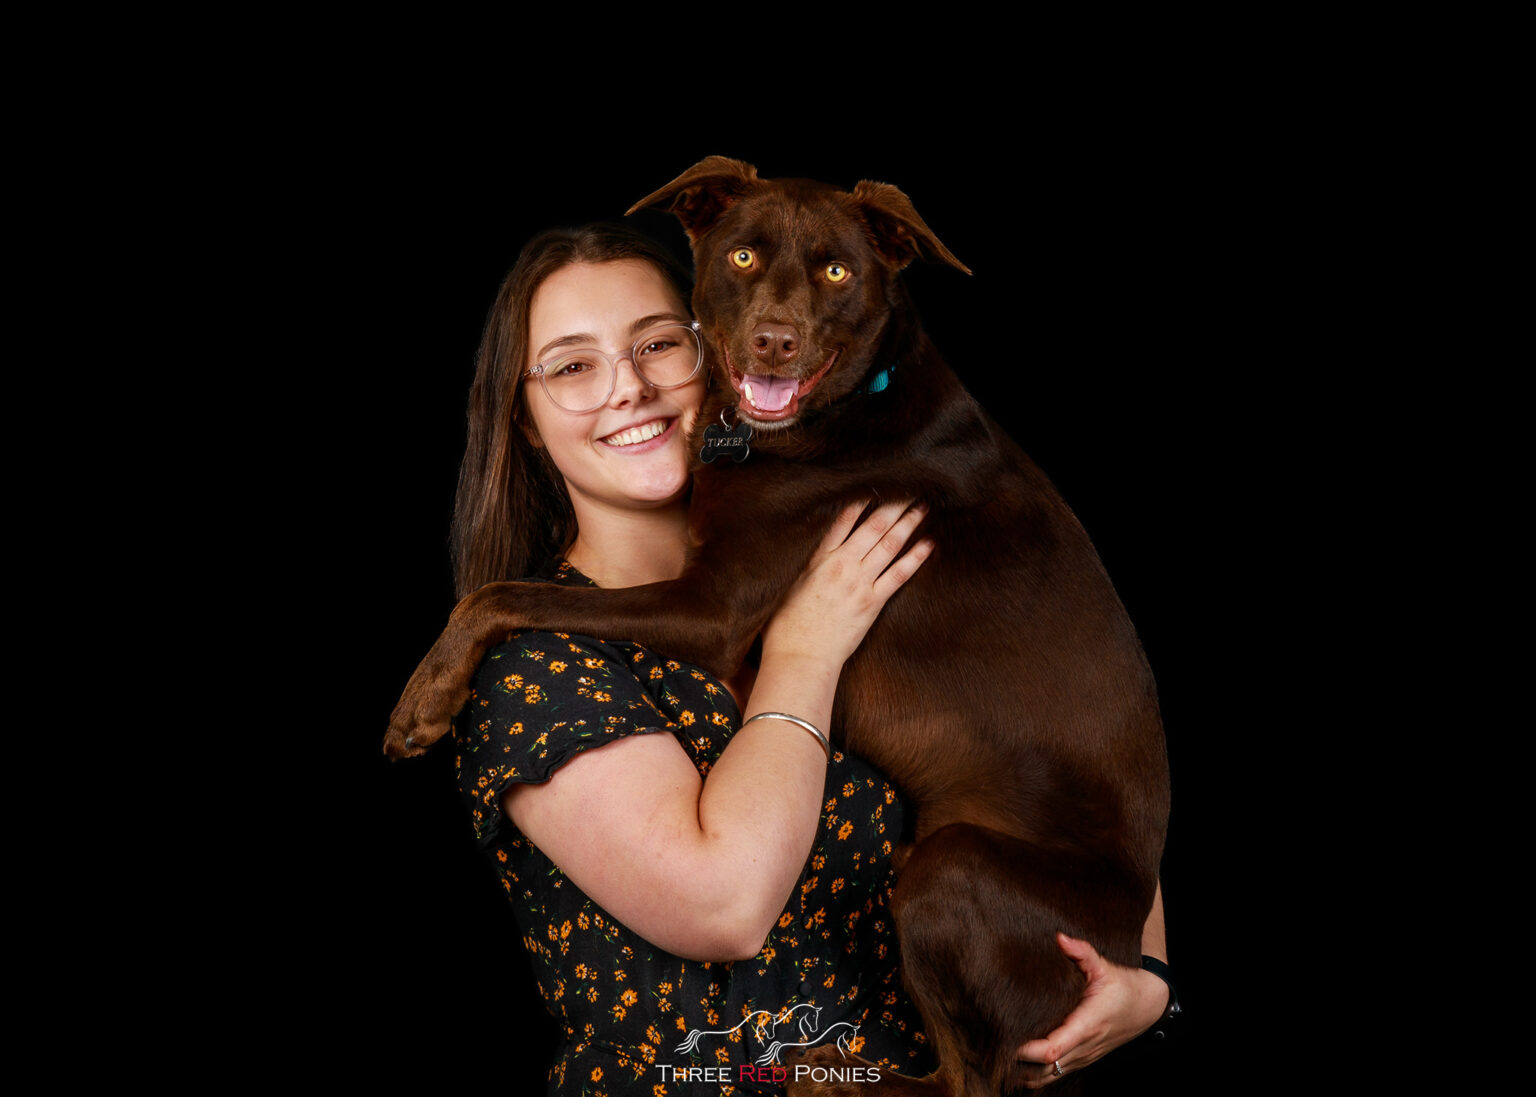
{"x": 1157, "y": 967}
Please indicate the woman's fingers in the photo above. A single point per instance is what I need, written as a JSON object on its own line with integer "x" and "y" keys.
{"x": 893, "y": 577}
{"x": 881, "y": 537}
{"x": 832, "y": 605}
{"x": 1115, "y": 1008}
{"x": 1094, "y": 966}
{"x": 1080, "y": 1026}
{"x": 841, "y": 527}
{"x": 882, "y": 533}
{"x": 894, "y": 539}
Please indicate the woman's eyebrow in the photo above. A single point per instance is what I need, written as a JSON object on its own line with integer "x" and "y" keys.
{"x": 576, "y": 339}
{"x": 656, "y": 318}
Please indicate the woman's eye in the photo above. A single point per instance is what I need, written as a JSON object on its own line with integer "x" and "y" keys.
{"x": 569, "y": 367}
{"x": 743, "y": 258}
{"x": 657, "y": 346}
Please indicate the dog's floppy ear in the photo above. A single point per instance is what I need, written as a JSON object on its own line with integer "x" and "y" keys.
{"x": 703, "y": 193}
{"x": 900, "y": 233}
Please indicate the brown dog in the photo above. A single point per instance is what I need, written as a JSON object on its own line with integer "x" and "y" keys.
{"x": 1003, "y": 688}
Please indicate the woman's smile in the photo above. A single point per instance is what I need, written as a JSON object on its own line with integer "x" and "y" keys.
{"x": 631, "y": 437}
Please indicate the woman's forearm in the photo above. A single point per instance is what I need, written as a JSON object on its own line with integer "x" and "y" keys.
{"x": 761, "y": 803}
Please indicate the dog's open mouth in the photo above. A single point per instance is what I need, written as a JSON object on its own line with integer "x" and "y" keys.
{"x": 769, "y": 398}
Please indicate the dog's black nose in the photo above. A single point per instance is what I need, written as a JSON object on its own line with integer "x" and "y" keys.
{"x": 775, "y": 344}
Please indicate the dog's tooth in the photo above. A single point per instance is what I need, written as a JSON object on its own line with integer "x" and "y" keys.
{"x": 746, "y": 388}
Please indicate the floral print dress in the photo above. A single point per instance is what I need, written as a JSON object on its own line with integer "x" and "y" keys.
{"x": 636, "y": 1018}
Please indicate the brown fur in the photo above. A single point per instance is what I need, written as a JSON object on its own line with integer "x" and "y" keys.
{"x": 1003, "y": 688}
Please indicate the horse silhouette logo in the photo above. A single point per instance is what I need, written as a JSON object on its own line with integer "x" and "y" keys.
{"x": 763, "y": 1023}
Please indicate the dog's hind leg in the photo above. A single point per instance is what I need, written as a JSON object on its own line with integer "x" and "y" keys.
{"x": 977, "y": 913}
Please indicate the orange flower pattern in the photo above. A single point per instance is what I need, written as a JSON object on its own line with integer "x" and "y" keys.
{"x": 541, "y": 699}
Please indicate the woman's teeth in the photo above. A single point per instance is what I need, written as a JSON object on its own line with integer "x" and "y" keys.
{"x": 643, "y": 433}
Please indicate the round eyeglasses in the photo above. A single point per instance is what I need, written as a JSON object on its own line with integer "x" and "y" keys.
{"x": 664, "y": 357}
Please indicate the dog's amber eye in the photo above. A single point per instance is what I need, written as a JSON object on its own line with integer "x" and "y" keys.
{"x": 743, "y": 258}
{"x": 836, "y": 272}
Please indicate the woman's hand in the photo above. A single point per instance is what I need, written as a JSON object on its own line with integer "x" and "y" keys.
{"x": 1120, "y": 1004}
{"x": 848, "y": 580}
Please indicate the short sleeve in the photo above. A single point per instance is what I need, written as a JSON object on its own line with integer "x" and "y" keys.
{"x": 539, "y": 700}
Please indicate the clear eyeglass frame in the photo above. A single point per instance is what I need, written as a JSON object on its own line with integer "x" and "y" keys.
{"x": 611, "y": 362}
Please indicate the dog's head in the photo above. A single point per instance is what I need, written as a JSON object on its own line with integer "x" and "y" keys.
{"x": 795, "y": 280}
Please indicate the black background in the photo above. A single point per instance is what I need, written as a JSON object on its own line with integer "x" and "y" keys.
{"x": 1126, "y": 321}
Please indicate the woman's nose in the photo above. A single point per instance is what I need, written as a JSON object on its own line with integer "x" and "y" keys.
{"x": 628, "y": 384}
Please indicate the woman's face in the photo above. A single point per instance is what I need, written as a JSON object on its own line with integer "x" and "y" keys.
{"x": 613, "y": 456}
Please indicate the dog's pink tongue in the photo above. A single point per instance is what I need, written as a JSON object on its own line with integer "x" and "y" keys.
{"x": 771, "y": 393}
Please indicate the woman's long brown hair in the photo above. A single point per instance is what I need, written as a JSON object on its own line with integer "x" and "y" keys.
{"x": 512, "y": 515}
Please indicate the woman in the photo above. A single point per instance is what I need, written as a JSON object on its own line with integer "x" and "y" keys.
{"x": 649, "y": 823}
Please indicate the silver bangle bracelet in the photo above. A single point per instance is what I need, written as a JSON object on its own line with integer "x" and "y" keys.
{"x": 806, "y": 724}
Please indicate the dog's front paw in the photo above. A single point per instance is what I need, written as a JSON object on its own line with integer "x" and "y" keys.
{"x": 440, "y": 685}
{"x": 425, "y": 711}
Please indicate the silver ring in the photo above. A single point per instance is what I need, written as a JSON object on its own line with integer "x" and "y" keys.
{"x": 1056, "y": 1068}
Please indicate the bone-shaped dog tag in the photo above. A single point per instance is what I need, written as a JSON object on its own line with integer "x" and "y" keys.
{"x": 722, "y": 441}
